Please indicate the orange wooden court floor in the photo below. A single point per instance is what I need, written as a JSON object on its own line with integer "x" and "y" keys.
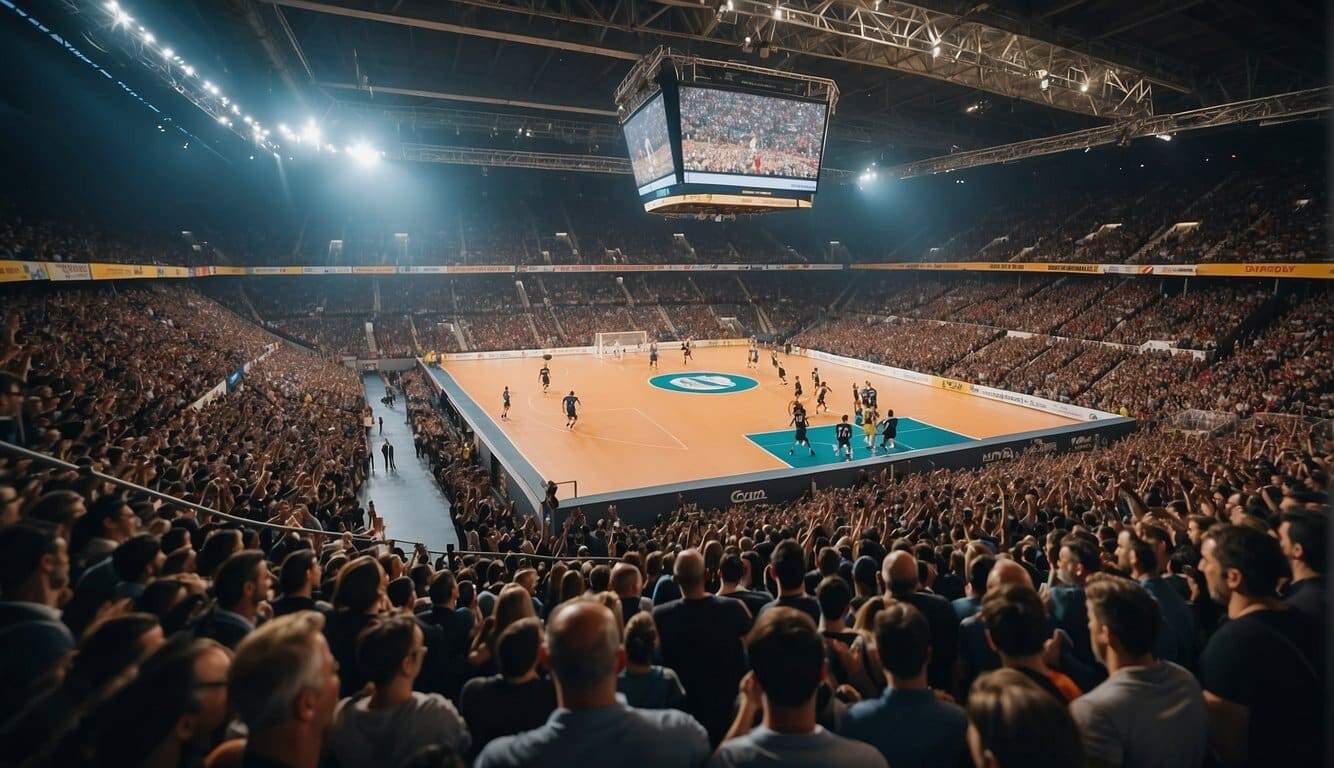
{"x": 633, "y": 435}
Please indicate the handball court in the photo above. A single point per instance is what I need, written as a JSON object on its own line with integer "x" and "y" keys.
{"x": 632, "y": 434}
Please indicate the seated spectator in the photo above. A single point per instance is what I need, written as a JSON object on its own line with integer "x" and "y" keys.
{"x": 787, "y": 659}
{"x": 1148, "y": 712}
{"x": 644, "y": 684}
{"x": 283, "y": 685}
{"x": 591, "y": 728}
{"x": 34, "y": 569}
{"x": 1260, "y": 670}
{"x": 1017, "y": 630}
{"x": 702, "y": 641}
{"x": 516, "y": 700}
{"x": 241, "y": 585}
{"x": 1013, "y": 723}
{"x": 393, "y": 721}
{"x": 909, "y": 724}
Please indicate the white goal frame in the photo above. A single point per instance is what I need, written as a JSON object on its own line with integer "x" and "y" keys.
{"x": 627, "y": 341}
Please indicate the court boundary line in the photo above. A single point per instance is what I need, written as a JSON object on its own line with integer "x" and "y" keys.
{"x": 664, "y": 430}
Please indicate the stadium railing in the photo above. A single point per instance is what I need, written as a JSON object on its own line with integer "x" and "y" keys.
{"x": 50, "y": 461}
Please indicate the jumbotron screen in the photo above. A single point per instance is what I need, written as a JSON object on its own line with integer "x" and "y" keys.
{"x": 650, "y": 146}
{"x": 737, "y": 138}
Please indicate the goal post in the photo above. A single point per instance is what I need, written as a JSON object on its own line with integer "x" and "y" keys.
{"x": 625, "y": 341}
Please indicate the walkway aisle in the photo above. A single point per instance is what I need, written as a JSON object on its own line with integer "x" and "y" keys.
{"x": 410, "y": 501}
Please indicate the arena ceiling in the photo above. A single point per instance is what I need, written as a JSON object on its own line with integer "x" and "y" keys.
{"x": 540, "y": 74}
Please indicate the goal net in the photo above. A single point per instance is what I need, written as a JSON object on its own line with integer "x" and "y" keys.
{"x": 622, "y": 341}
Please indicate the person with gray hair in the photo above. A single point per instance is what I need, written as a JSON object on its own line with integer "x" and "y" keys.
{"x": 284, "y": 686}
{"x": 591, "y": 728}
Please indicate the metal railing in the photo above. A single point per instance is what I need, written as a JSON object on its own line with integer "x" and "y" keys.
{"x": 51, "y": 461}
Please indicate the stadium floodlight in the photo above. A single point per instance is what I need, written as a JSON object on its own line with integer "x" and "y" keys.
{"x": 223, "y": 119}
{"x": 120, "y": 18}
{"x": 113, "y": 6}
{"x": 148, "y": 38}
{"x": 730, "y": 5}
{"x": 363, "y": 154}
{"x": 1084, "y": 87}
{"x": 935, "y": 51}
{"x": 778, "y": 12}
{"x": 311, "y": 133}
{"x": 188, "y": 70}
{"x": 1044, "y": 83}
{"x": 247, "y": 120}
{"x": 236, "y": 110}
{"x": 1163, "y": 136}
{"x": 167, "y": 53}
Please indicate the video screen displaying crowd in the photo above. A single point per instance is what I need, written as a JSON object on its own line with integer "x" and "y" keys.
{"x": 646, "y": 136}
{"x": 742, "y": 133}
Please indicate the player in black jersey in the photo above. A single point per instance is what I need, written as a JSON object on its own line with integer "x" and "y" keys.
{"x": 686, "y": 351}
{"x": 796, "y": 386}
{"x": 799, "y": 421}
{"x": 782, "y": 374}
{"x": 815, "y": 377}
{"x": 868, "y": 395}
{"x": 571, "y": 416}
{"x": 653, "y": 355}
{"x": 545, "y": 376}
{"x": 843, "y": 434}
{"x": 820, "y": 394}
{"x": 773, "y": 357}
{"x": 889, "y": 429}
{"x": 505, "y": 408}
{"x": 753, "y": 357}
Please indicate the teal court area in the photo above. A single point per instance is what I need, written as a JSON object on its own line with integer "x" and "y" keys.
{"x": 913, "y": 435}
{"x": 703, "y": 382}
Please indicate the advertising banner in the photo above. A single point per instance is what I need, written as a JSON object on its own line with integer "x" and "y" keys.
{"x": 68, "y": 271}
{"x": 1325, "y": 270}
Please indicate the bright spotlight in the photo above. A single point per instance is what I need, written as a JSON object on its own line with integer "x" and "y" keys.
{"x": 364, "y": 154}
{"x": 167, "y": 53}
{"x": 1044, "y": 83}
{"x": 188, "y": 70}
{"x": 120, "y": 18}
{"x": 113, "y": 6}
{"x": 935, "y": 51}
{"x": 778, "y": 12}
{"x": 247, "y": 120}
{"x": 223, "y": 119}
{"x": 148, "y": 37}
{"x": 311, "y": 132}
{"x": 1164, "y": 136}
{"x": 236, "y": 110}
{"x": 1083, "y": 87}
{"x": 730, "y": 6}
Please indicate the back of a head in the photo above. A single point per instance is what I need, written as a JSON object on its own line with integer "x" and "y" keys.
{"x": 1021, "y": 725}
{"x": 401, "y": 592}
{"x": 56, "y": 507}
{"x": 732, "y": 569}
{"x": 110, "y": 648}
{"x": 22, "y": 546}
{"x": 582, "y": 643}
{"x": 295, "y": 570}
{"x": 513, "y": 603}
{"x": 273, "y": 666}
{"x": 357, "y": 587}
{"x": 1126, "y": 609}
{"x": 903, "y": 638}
{"x": 787, "y": 655}
{"x": 234, "y": 573}
{"x": 444, "y": 585}
{"x": 789, "y": 564}
{"x": 517, "y": 645}
{"x": 979, "y": 568}
{"x": 899, "y": 573}
{"x": 382, "y": 647}
{"x": 864, "y": 572}
{"x": 641, "y": 638}
{"x": 688, "y": 568}
{"x": 834, "y": 596}
{"x": 1015, "y": 619}
{"x": 132, "y": 558}
{"x": 599, "y": 578}
{"x": 625, "y": 580}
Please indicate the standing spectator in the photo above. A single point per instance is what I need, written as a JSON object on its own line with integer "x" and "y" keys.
{"x": 393, "y": 721}
{"x": 456, "y": 625}
{"x": 109, "y": 521}
{"x": 978, "y": 569}
{"x": 298, "y": 577}
{"x": 1012, "y": 723}
{"x": 1148, "y": 712}
{"x": 284, "y": 686}
{"x": 628, "y": 585}
{"x": 900, "y": 575}
{"x": 1176, "y": 635}
{"x": 1261, "y": 687}
{"x": 516, "y": 700}
{"x": 34, "y": 569}
{"x": 1302, "y": 537}
{"x": 643, "y": 683}
{"x": 592, "y": 728}
{"x": 359, "y": 594}
{"x": 908, "y": 724}
{"x": 787, "y": 567}
{"x": 1017, "y": 629}
{"x": 732, "y": 573}
{"x": 241, "y": 585}
{"x": 1077, "y": 559}
{"x": 787, "y": 658}
{"x": 975, "y": 652}
{"x": 701, "y": 637}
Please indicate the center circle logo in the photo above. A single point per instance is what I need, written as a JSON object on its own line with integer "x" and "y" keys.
{"x": 703, "y": 383}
